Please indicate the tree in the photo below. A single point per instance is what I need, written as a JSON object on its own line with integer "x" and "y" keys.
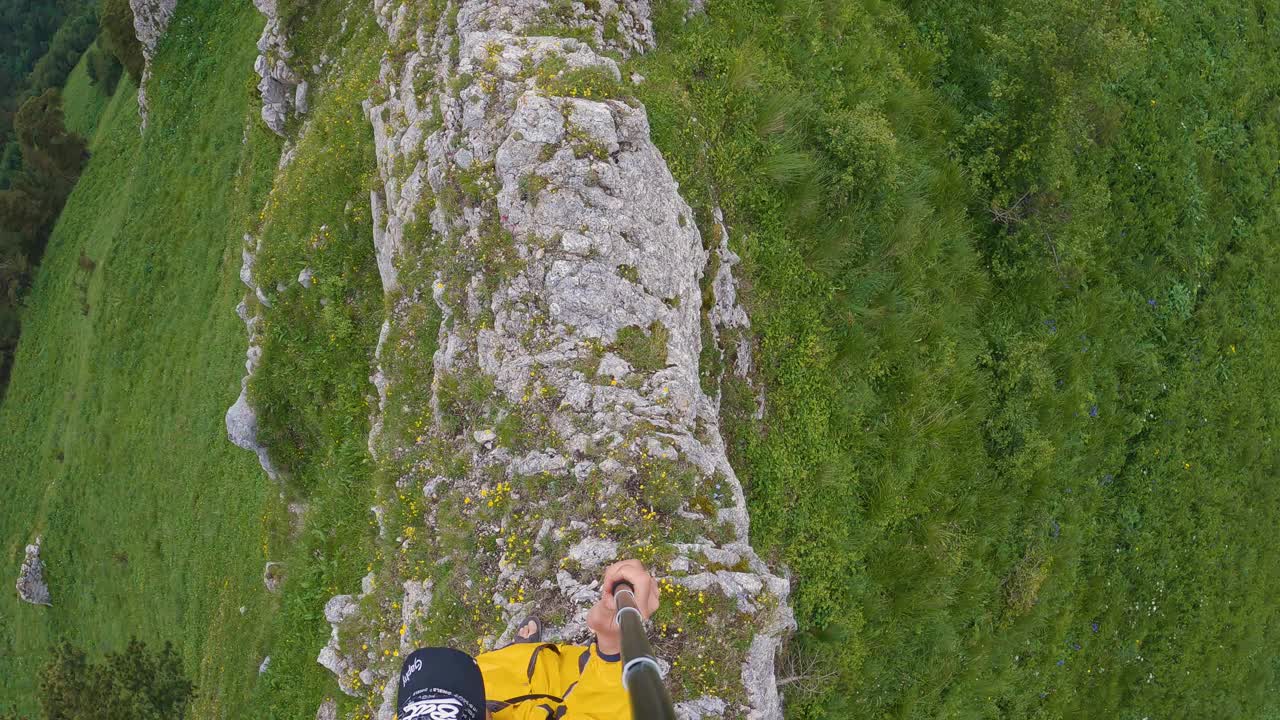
{"x": 65, "y": 48}
{"x": 47, "y": 145}
{"x": 103, "y": 69}
{"x": 21, "y": 214}
{"x": 118, "y": 36}
{"x": 137, "y": 684}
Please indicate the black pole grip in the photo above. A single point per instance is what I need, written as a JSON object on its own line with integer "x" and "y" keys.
{"x": 649, "y": 697}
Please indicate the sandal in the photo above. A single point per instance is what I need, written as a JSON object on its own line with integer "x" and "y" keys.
{"x": 536, "y": 637}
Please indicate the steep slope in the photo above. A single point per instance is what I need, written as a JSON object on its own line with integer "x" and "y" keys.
{"x": 111, "y": 434}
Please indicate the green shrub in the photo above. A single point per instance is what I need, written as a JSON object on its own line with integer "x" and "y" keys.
{"x": 119, "y": 38}
{"x": 104, "y": 70}
{"x": 137, "y": 683}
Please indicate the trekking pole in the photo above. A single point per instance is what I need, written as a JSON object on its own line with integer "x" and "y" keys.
{"x": 640, "y": 673}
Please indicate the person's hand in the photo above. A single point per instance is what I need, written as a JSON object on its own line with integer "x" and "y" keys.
{"x": 602, "y": 615}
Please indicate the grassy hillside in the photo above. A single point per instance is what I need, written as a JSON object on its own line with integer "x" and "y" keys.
{"x": 112, "y": 431}
{"x": 154, "y": 524}
{"x": 82, "y": 101}
{"x": 1013, "y": 275}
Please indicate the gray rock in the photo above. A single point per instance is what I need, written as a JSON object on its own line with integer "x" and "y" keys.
{"x": 484, "y": 437}
{"x": 265, "y": 665}
{"x": 282, "y": 89}
{"x": 339, "y": 608}
{"x": 593, "y": 552}
{"x": 241, "y": 418}
{"x": 328, "y": 710}
{"x": 273, "y": 576}
{"x": 300, "y": 100}
{"x": 614, "y": 367}
{"x": 705, "y": 706}
{"x": 304, "y": 278}
{"x": 32, "y": 587}
{"x": 150, "y": 20}
{"x": 539, "y": 462}
{"x": 728, "y": 319}
{"x": 242, "y": 429}
{"x": 297, "y": 518}
{"x": 242, "y": 423}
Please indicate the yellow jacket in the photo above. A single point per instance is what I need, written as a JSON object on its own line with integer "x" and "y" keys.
{"x": 529, "y": 681}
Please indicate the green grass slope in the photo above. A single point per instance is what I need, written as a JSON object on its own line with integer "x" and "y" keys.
{"x": 1013, "y": 273}
{"x": 82, "y": 101}
{"x": 154, "y": 524}
{"x": 111, "y": 435}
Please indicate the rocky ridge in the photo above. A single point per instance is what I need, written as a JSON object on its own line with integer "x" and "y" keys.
{"x": 150, "y": 20}
{"x": 530, "y": 237}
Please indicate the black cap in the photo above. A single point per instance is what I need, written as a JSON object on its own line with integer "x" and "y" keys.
{"x": 440, "y": 684}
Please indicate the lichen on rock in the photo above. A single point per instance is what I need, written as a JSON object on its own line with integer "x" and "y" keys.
{"x": 533, "y": 243}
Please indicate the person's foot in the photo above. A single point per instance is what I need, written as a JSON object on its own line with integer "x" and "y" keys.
{"x": 530, "y": 632}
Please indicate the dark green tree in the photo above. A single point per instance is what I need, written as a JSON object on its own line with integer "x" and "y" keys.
{"x": 22, "y": 215}
{"x": 137, "y": 684}
{"x": 65, "y": 49}
{"x": 118, "y": 36}
{"x": 47, "y": 145}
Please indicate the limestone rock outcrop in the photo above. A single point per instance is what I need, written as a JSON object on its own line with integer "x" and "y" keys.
{"x": 273, "y": 576}
{"x": 32, "y": 587}
{"x": 529, "y": 230}
{"x": 150, "y": 20}
{"x": 242, "y": 418}
{"x": 283, "y": 90}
